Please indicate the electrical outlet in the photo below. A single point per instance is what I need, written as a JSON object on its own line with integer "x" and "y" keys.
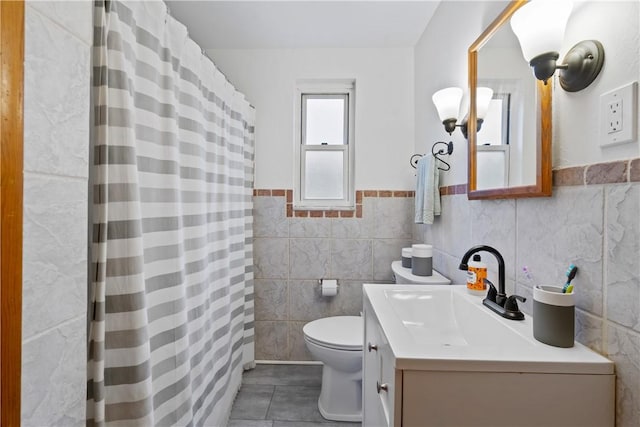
{"x": 618, "y": 115}
{"x": 615, "y": 116}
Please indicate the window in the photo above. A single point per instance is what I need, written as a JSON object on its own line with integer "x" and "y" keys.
{"x": 496, "y": 126}
{"x": 324, "y": 146}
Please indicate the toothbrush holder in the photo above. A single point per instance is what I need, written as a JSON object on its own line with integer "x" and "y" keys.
{"x": 553, "y": 316}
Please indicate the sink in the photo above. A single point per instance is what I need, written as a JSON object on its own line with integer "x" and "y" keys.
{"x": 443, "y": 317}
{"x": 427, "y": 343}
{"x": 443, "y": 327}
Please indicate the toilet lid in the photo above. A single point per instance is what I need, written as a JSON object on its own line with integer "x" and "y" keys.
{"x": 341, "y": 332}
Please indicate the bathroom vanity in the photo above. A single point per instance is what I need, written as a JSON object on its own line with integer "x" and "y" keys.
{"x": 435, "y": 356}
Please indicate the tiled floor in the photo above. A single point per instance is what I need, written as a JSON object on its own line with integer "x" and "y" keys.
{"x": 281, "y": 396}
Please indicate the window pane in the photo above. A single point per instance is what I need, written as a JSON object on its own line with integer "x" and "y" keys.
{"x": 324, "y": 174}
{"x": 491, "y": 131}
{"x": 324, "y": 120}
{"x": 491, "y": 169}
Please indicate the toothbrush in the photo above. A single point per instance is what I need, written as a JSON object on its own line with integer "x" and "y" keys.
{"x": 527, "y": 274}
{"x": 571, "y": 273}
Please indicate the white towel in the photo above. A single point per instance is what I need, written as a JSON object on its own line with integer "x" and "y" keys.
{"x": 427, "y": 190}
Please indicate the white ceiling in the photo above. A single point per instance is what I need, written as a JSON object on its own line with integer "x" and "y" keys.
{"x": 303, "y": 24}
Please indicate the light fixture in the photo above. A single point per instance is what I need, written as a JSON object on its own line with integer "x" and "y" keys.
{"x": 539, "y": 26}
{"x": 447, "y": 102}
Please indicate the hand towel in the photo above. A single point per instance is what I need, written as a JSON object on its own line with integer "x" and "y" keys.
{"x": 427, "y": 190}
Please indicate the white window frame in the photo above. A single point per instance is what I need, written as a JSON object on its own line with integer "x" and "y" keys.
{"x": 320, "y": 88}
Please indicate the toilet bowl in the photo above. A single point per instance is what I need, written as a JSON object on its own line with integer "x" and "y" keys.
{"x": 337, "y": 342}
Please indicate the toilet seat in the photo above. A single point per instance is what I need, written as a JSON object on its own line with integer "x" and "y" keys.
{"x": 338, "y": 332}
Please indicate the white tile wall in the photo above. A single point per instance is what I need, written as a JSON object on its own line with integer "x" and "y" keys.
{"x": 597, "y": 228}
{"x": 291, "y": 254}
{"x": 58, "y": 38}
{"x": 56, "y": 98}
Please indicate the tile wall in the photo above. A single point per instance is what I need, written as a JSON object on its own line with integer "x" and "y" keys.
{"x": 592, "y": 221}
{"x": 291, "y": 253}
{"x": 58, "y": 38}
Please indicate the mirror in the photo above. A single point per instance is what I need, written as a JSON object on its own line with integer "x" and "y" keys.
{"x": 510, "y": 156}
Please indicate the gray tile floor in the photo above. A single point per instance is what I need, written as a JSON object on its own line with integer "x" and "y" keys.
{"x": 280, "y": 396}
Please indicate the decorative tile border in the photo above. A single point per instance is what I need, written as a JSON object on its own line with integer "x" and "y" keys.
{"x": 350, "y": 213}
{"x": 598, "y": 173}
{"x": 620, "y": 171}
{"x": 451, "y": 190}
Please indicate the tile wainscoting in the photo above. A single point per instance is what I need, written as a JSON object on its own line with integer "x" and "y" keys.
{"x": 591, "y": 220}
{"x": 316, "y": 213}
{"x": 292, "y": 252}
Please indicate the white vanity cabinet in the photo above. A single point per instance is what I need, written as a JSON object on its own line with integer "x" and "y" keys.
{"x": 379, "y": 376}
{"x": 413, "y": 383}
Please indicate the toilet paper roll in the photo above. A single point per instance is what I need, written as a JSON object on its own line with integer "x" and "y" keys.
{"x": 329, "y": 287}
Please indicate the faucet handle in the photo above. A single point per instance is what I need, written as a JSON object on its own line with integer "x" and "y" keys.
{"x": 511, "y": 304}
{"x": 492, "y": 293}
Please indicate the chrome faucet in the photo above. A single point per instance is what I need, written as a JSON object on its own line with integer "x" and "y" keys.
{"x": 496, "y": 300}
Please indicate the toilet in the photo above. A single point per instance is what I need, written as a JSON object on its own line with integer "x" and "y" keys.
{"x": 404, "y": 276}
{"x": 337, "y": 342}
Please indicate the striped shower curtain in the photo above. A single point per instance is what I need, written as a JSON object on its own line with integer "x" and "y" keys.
{"x": 171, "y": 293}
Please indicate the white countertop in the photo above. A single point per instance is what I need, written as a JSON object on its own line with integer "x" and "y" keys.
{"x": 484, "y": 342}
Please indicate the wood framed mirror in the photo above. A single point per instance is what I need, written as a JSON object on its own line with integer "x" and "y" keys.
{"x": 510, "y": 156}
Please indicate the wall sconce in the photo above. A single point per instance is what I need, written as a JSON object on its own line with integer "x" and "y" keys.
{"x": 447, "y": 102}
{"x": 539, "y": 26}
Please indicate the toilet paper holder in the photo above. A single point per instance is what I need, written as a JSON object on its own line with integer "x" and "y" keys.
{"x": 326, "y": 288}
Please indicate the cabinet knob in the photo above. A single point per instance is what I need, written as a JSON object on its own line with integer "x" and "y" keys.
{"x": 372, "y": 347}
{"x": 381, "y": 387}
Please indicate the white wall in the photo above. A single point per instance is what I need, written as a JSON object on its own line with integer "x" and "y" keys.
{"x": 58, "y": 39}
{"x": 576, "y": 115}
{"x": 384, "y": 129}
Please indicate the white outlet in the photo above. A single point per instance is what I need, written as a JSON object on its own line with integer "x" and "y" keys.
{"x": 618, "y": 115}
{"x": 615, "y": 116}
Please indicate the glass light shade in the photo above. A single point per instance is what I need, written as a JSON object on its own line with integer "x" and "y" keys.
{"x": 447, "y": 101}
{"x": 483, "y": 99}
{"x": 539, "y": 26}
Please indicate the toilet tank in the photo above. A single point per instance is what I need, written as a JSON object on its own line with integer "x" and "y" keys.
{"x": 403, "y": 275}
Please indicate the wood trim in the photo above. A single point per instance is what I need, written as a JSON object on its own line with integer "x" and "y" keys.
{"x": 11, "y": 200}
{"x": 500, "y": 20}
{"x": 543, "y": 186}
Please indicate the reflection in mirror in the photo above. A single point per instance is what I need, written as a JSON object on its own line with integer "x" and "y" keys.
{"x": 508, "y": 134}
{"x": 511, "y": 153}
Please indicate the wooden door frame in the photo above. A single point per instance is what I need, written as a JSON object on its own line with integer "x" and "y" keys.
{"x": 11, "y": 200}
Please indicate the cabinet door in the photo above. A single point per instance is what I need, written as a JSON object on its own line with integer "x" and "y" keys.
{"x": 386, "y": 388}
{"x": 373, "y": 414}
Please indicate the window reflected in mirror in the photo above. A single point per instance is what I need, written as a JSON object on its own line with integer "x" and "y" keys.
{"x": 510, "y": 154}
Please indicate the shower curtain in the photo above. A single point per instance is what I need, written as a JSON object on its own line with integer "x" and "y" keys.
{"x": 171, "y": 293}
